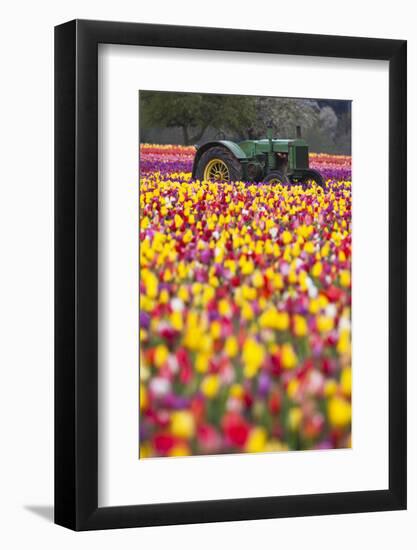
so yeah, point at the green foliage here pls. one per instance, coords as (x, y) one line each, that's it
(196, 112)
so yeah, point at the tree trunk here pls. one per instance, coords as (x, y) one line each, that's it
(185, 135)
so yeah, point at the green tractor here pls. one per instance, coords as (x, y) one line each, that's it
(283, 161)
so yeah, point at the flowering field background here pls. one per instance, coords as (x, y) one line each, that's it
(245, 308)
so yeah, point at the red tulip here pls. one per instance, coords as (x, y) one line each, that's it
(235, 428)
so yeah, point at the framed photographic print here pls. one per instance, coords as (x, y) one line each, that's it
(230, 275)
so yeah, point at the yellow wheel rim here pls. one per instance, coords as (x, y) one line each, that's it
(216, 170)
(275, 181)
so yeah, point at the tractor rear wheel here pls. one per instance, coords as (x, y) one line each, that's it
(312, 176)
(218, 164)
(276, 177)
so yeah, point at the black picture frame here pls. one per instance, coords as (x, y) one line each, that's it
(76, 272)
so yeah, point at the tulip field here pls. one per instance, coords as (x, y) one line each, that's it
(245, 310)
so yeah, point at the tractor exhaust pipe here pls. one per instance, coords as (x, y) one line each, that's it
(269, 136)
(298, 132)
(271, 156)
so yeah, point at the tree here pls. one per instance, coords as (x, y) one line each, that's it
(283, 115)
(328, 121)
(194, 113)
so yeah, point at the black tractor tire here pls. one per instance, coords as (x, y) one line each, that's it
(313, 176)
(233, 165)
(276, 177)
